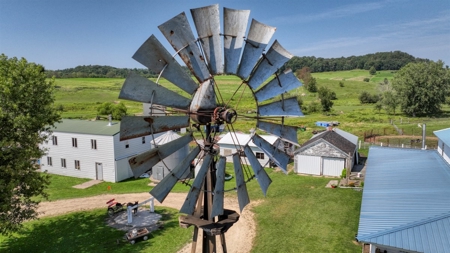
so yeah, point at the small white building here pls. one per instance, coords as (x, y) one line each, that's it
(327, 153)
(230, 142)
(91, 149)
(443, 143)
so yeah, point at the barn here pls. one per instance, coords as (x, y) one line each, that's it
(91, 149)
(327, 153)
(230, 142)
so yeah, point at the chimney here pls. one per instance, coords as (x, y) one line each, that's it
(424, 137)
(109, 120)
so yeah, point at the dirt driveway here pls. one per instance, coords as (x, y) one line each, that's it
(239, 237)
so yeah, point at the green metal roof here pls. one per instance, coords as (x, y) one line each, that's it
(87, 127)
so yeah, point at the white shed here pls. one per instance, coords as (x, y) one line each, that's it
(443, 143)
(327, 153)
(230, 142)
(91, 149)
(163, 168)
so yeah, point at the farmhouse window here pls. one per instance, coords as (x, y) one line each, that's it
(259, 155)
(227, 151)
(74, 142)
(49, 161)
(93, 144)
(77, 164)
(63, 163)
(127, 145)
(55, 140)
(143, 140)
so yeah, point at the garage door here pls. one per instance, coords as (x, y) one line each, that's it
(308, 164)
(333, 166)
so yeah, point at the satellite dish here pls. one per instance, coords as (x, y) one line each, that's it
(205, 57)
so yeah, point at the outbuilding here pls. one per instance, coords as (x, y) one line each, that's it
(443, 143)
(406, 201)
(231, 142)
(327, 153)
(91, 149)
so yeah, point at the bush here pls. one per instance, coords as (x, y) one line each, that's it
(344, 173)
(313, 107)
(366, 98)
(366, 79)
(341, 84)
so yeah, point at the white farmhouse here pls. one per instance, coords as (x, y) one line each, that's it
(91, 149)
(230, 142)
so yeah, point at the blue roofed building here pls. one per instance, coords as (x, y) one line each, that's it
(406, 201)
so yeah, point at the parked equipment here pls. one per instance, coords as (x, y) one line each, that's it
(134, 234)
(114, 207)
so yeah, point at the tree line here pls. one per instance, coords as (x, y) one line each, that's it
(97, 71)
(380, 61)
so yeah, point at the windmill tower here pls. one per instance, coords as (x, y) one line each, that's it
(213, 52)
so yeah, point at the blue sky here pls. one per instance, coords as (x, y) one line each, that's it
(63, 34)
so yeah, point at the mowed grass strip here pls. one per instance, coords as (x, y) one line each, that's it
(87, 232)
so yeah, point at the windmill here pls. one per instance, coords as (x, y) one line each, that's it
(213, 52)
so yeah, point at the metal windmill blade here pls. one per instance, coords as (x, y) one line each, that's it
(179, 33)
(234, 25)
(205, 108)
(207, 23)
(257, 40)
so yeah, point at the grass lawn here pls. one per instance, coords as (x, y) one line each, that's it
(300, 215)
(61, 187)
(87, 232)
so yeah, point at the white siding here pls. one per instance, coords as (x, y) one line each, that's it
(123, 170)
(88, 157)
(223, 147)
(332, 166)
(309, 164)
(135, 146)
(444, 150)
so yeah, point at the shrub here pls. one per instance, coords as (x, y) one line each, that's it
(366, 79)
(341, 84)
(344, 173)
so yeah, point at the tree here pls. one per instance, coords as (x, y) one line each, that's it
(372, 70)
(116, 110)
(27, 115)
(390, 101)
(422, 87)
(305, 75)
(312, 85)
(326, 96)
(366, 98)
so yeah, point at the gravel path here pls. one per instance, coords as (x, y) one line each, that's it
(239, 237)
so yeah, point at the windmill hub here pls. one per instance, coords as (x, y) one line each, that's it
(222, 114)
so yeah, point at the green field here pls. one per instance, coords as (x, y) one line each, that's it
(80, 97)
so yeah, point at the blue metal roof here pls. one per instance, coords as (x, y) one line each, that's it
(443, 135)
(406, 200)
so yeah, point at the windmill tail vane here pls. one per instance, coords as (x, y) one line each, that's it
(211, 52)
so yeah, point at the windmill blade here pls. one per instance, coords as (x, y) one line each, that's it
(286, 107)
(140, 89)
(261, 175)
(138, 126)
(257, 40)
(146, 160)
(277, 86)
(192, 197)
(204, 100)
(241, 187)
(285, 132)
(207, 24)
(162, 189)
(280, 158)
(156, 58)
(179, 34)
(217, 207)
(269, 64)
(234, 26)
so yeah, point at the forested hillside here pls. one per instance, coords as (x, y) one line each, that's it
(96, 71)
(381, 61)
